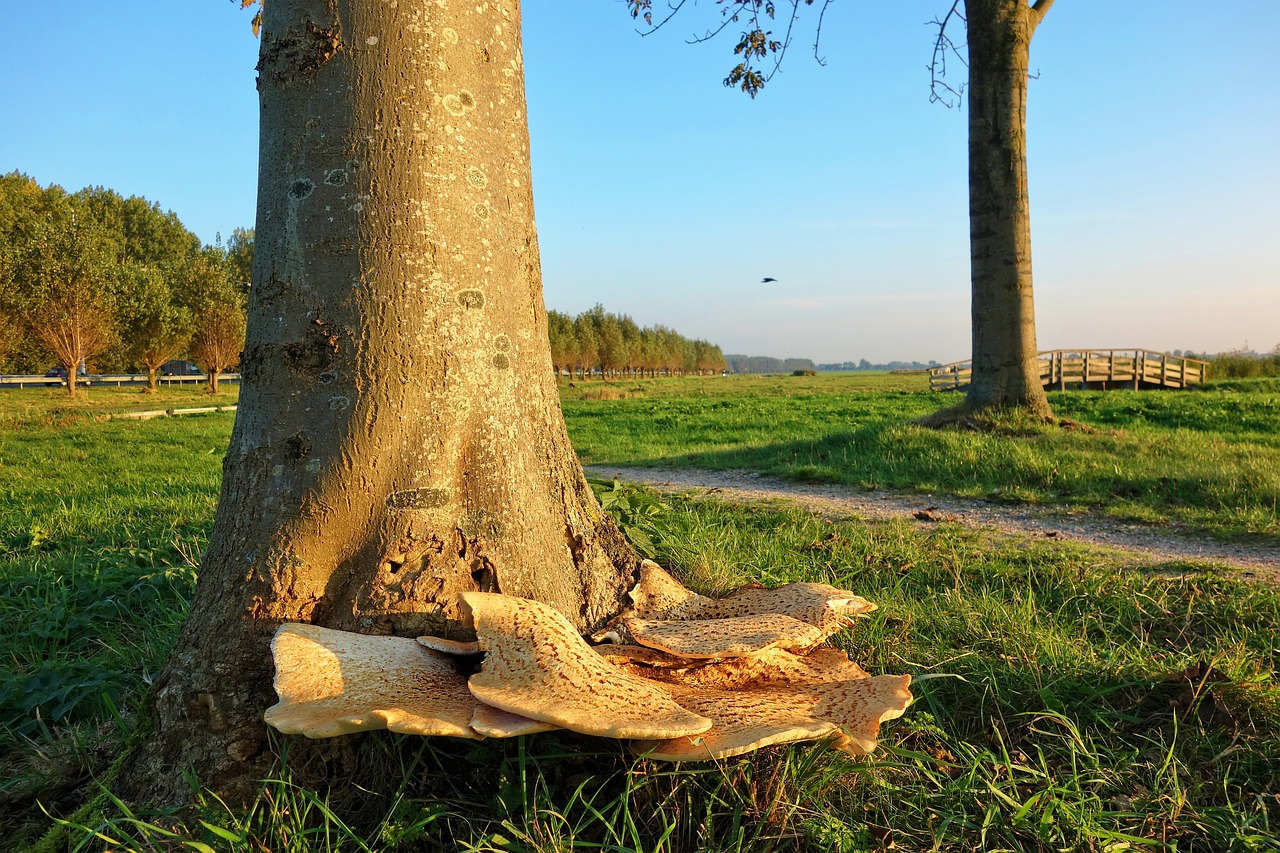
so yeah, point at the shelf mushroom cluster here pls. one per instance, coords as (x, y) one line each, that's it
(682, 676)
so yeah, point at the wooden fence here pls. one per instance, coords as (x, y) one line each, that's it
(1093, 368)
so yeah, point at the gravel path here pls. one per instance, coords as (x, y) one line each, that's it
(1145, 544)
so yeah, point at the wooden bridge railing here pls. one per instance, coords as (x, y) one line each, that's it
(1104, 368)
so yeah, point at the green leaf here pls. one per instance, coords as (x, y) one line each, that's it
(224, 834)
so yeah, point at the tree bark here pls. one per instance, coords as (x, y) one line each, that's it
(398, 437)
(1005, 367)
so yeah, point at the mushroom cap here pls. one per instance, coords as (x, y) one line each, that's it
(850, 712)
(885, 695)
(626, 654)
(734, 636)
(658, 595)
(656, 591)
(335, 682)
(815, 603)
(774, 667)
(744, 720)
(451, 647)
(537, 665)
(488, 721)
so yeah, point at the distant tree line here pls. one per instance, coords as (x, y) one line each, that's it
(884, 365)
(597, 343)
(111, 284)
(767, 364)
(1241, 363)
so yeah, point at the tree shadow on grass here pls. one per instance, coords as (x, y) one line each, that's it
(1012, 467)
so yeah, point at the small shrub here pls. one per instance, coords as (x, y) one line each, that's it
(1244, 364)
(635, 510)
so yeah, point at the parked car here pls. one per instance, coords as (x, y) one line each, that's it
(60, 374)
(180, 368)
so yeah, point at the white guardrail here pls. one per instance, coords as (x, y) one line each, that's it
(114, 379)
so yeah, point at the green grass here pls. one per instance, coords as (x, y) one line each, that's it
(1074, 704)
(101, 527)
(1071, 702)
(54, 407)
(1205, 460)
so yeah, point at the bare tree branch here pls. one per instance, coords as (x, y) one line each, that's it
(786, 39)
(939, 90)
(817, 36)
(730, 17)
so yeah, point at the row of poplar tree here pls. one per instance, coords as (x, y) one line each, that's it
(597, 343)
(110, 284)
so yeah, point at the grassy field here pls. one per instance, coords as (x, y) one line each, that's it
(1208, 461)
(1066, 701)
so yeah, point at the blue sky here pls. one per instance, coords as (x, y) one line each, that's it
(1153, 131)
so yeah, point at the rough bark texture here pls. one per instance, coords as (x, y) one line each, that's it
(398, 438)
(1005, 368)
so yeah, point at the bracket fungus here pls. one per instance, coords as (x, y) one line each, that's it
(709, 678)
(488, 721)
(659, 597)
(462, 648)
(334, 683)
(731, 637)
(775, 667)
(815, 603)
(850, 712)
(656, 592)
(537, 665)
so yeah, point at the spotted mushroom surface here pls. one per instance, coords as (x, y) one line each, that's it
(537, 665)
(861, 706)
(769, 668)
(494, 722)
(335, 682)
(712, 678)
(656, 592)
(658, 596)
(847, 712)
(451, 647)
(734, 636)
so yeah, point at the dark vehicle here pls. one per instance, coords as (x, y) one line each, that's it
(180, 368)
(60, 374)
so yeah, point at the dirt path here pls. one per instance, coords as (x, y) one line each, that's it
(1146, 544)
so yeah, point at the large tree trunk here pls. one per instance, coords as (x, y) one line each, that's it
(399, 437)
(1005, 368)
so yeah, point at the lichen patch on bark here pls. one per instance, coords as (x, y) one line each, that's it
(410, 499)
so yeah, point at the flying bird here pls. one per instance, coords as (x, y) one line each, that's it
(766, 280)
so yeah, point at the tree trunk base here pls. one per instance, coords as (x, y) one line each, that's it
(992, 419)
